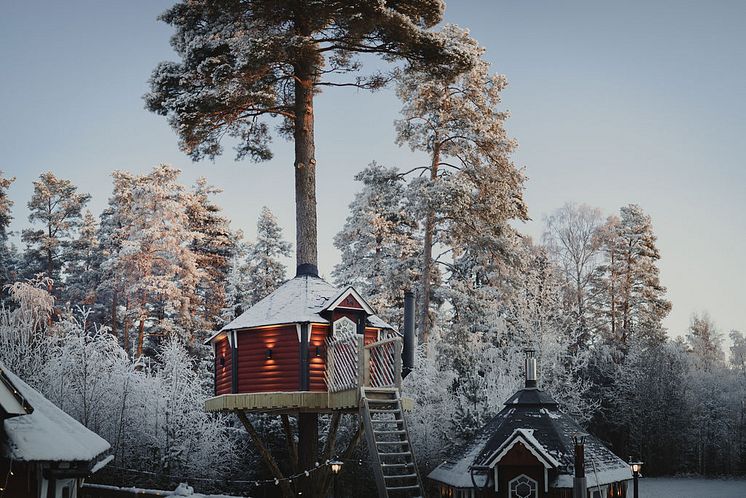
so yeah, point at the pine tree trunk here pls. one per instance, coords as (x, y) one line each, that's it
(140, 336)
(305, 166)
(427, 256)
(114, 314)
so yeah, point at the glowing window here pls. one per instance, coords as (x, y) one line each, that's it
(523, 487)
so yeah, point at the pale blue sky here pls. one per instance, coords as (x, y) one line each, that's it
(612, 103)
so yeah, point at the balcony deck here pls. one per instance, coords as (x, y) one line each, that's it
(292, 402)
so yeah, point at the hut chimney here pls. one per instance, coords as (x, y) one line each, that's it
(530, 368)
(408, 350)
(580, 485)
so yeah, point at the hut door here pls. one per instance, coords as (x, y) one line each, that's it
(523, 487)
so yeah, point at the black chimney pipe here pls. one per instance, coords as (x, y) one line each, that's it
(580, 485)
(407, 354)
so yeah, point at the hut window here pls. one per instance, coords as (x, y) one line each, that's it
(344, 328)
(523, 487)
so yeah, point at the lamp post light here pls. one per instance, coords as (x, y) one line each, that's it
(635, 466)
(336, 467)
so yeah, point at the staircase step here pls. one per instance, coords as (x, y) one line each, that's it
(387, 421)
(382, 410)
(394, 443)
(396, 454)
(389, 432)
(403, 488)
(397, 465)
(402, 476)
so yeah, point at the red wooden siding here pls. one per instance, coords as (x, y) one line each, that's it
(371, 335)
(350, 302)
(223, 373)
(258, 374)
(317, 364)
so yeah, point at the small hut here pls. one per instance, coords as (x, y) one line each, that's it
(529, 450)
(44, 452)
(310, 348)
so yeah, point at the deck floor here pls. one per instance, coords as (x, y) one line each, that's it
(292, 402)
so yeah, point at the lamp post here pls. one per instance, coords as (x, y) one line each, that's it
(336, 467)
(635, 466)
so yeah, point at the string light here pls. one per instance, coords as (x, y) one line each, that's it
(258, 482)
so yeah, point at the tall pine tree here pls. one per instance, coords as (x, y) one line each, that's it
(7, 259)
(56, 207)
(471, 187)
(263, 259)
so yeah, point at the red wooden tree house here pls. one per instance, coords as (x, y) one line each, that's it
(311, 348)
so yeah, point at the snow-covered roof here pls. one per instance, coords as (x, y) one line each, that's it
(534, 416)
(47, 434)
(300, 299)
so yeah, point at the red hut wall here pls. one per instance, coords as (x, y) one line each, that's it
(256, 373)
(317, 364)
(224, 368)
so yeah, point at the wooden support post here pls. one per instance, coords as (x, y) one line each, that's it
(308, 439)
(397, 364)
(292, 448)
(266, 455)
(363, 362)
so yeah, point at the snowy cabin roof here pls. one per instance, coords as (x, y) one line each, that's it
(533, 415)
(46, 433)
(300, 299)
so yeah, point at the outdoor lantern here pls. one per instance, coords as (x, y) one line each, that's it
(336, 466)
(318, 351)
(222, 361)
(635, 466)
(268, 354)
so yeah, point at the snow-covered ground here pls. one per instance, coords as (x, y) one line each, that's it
(684, 487)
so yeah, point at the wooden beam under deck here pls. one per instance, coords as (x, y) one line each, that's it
(292, 402)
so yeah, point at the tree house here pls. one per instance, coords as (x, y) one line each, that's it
(311, 348)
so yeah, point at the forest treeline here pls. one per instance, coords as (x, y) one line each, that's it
(106, 315)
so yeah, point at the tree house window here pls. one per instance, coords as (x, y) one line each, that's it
(523, 487)
(344, 327)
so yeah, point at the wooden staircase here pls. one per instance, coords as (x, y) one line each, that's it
(386, 433)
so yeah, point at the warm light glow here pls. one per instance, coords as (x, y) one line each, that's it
(336, 466)
(635, 466)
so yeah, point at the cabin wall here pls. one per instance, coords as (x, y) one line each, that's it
(224, 368)
(317, 364)
(256, 373)
(24, 481)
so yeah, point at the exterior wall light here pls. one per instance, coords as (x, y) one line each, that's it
(268, 354)
(318, 351)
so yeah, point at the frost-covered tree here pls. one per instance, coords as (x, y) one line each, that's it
(263, 259)
(571, 236)
(214, 245)
(23, 327)
(7, 256)
(379, 242)
(629, 298)
(243, 62)
(705, 342)
(56, 207)
(83, 264)
(154, 268)
(470, 187)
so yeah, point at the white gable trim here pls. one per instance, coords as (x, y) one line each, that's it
(527, 439)
(356, 295)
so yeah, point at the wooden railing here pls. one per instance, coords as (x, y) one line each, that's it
(351, 364)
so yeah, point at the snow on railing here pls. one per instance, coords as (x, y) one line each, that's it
(379, 365)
